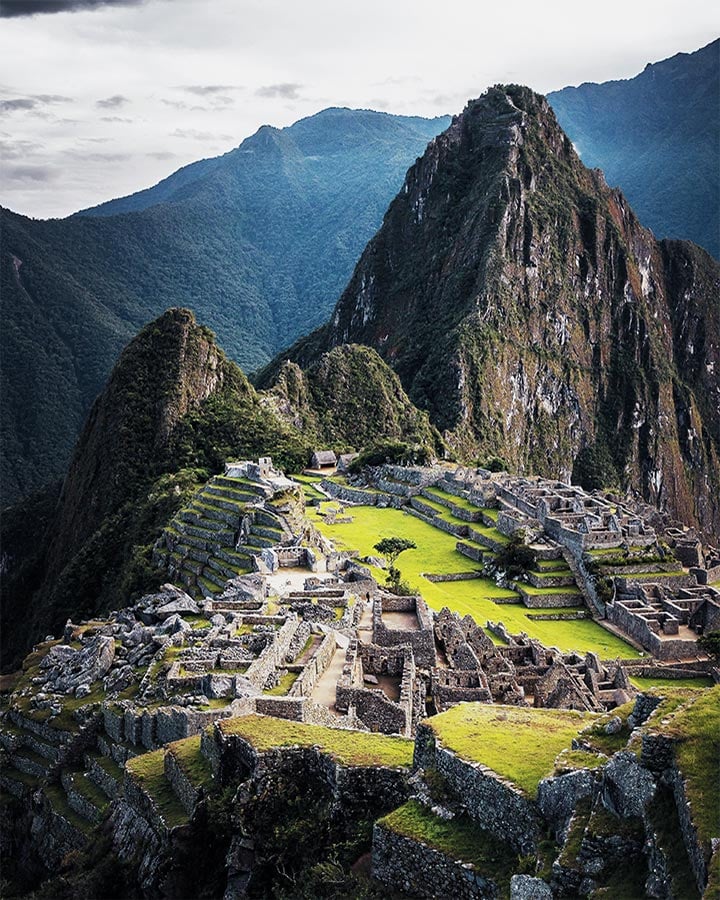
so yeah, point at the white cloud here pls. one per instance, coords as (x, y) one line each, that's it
(217, 71)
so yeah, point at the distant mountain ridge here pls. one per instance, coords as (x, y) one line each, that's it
(528, 311)
(657, 137)
(258, 242)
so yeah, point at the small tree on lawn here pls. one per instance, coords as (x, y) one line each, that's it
(391, 548)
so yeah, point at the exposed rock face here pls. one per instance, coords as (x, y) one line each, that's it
(67, 670)
(527, 310)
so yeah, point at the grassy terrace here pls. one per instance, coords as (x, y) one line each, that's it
(351, 748)
(460, 502)
(519, 744)
(149, 770)
(60, 805)
(193, 764)
(695, 724)
(436, 554)
(646, 684)
(284, 684)
(459, 838)
(570, 589)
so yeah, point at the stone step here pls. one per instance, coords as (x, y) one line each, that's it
(258, 541)
(211, 538)
(235, 557)
(197, 554)
(29, 762)
(104, 772)
(276, 535)
(223, 568)
(147, 776)
(193, 515)
(188, 771)
(214, 577)
(193, 565)
(83, 795)
(208, 587)
(81, 827)
(185, 540)
(211, 512)
(228, 498)
(240, 484)
(17, 783)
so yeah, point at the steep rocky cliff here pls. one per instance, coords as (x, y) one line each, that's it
(526, 309)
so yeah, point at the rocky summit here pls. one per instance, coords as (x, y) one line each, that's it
(525, 308)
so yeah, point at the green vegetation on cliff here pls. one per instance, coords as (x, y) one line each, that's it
(258, 243)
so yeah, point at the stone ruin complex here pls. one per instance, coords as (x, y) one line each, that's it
(248, 634)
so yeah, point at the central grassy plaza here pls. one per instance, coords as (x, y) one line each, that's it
(479, 597)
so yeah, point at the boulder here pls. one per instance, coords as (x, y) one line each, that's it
(119, 679)
(183, 606)
(614, 726)
(526, 887)
(174, 624)
(627, 787)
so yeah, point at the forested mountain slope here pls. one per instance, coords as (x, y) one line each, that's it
(657, 137)
(259, 243)
(526, 309)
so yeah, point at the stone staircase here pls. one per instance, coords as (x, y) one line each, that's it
(215, 537)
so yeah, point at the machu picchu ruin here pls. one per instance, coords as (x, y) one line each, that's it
(278, 653)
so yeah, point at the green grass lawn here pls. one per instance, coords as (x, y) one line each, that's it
(353, 748)
(284, 684)
(519, 744)
(149, 770)
(644, 684)
(436, 554)
(192, 762)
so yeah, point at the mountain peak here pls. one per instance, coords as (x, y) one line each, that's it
(527, 310)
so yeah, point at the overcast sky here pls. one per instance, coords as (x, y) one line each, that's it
(100, 98)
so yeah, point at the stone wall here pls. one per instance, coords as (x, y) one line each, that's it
(273, 657)
(468, 550)
(434, 520)
(412, 867)
(347, 494)
(486, 797)
(314, 668)
(546, 601)
(422, 641)
(637, 628)
(352, 785)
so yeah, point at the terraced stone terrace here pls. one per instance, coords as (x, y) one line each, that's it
(229, 521)
(518, 744)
